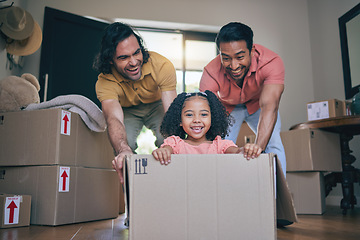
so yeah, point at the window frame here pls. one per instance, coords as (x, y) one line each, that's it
(187, 35)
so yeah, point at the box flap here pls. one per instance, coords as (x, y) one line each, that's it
(285, 208)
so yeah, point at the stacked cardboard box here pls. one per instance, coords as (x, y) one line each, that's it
(14, 210)
(309, 154)
(326, 109)
(65, 167)
(210, 196)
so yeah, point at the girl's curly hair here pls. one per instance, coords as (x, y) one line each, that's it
(220, 118)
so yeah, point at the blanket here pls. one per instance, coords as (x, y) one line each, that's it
(89, 112)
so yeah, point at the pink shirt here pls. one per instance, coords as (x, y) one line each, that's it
(266, 68)
(179, 146)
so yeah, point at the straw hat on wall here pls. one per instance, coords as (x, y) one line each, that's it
(16, 23)
(26, 46)
(23, 34)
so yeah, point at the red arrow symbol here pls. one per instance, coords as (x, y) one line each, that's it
(12, 207)
(66, 119)
(64, 176)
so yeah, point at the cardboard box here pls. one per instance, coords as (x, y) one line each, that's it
(326, 109)
(14, 210)
(312, 150)
(308, 191)
(246, 135)
(63, 195)
(51, 136)
(218, 196)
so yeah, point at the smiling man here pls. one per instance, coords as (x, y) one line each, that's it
(135, 88)
(249, 80)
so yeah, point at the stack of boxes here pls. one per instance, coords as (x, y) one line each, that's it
(66, 168)
(310, 154)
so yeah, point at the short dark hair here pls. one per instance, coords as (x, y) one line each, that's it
(113, 34)
(235, 31)
(220, 118)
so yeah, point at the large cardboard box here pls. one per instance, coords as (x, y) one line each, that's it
(14, 210)
(326, 109)
(312, 150)
(308, 191)
(218, 196)
(63, 194)
(51, 136)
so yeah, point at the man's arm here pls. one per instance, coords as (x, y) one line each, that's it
(167, 98)
(114, 117)
(269, 105)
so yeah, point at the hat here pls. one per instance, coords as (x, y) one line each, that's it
(16, 23)
(27, 46)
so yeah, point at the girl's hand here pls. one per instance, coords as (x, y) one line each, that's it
(252, 150)
(163, 154)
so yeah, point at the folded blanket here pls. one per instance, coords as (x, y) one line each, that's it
(89, 112)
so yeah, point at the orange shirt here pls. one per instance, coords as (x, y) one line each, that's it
(266, 68)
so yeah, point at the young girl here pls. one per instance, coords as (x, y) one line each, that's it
(195, 123)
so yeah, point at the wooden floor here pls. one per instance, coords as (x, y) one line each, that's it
(332, 225)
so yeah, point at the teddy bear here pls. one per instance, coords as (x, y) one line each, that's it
(16, 93)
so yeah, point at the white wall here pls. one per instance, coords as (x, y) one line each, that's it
(327, 63)
(303, 32)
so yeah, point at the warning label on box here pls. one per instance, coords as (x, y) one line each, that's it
(64, 179)
(65, 122)
(12, 209)
(318, 110)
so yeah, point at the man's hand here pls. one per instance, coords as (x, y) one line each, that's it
(251, 151)
(117, 164)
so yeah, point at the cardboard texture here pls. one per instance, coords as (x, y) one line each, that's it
(83, 194)
(326, 109)
(39, 138)
(204, 197)
(312, 150)
(14, 210)
(308, 191)
(246, 135)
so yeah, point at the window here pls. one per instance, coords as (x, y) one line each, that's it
(189, 52)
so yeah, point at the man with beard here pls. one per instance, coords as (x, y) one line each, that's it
(135, 88)
(249, 80)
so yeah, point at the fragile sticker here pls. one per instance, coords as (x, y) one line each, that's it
(12, 209)
(65, 122)
(140, 165)
(64, 179)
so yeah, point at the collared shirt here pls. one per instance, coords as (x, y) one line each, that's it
(157, 75)
(266, 68)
